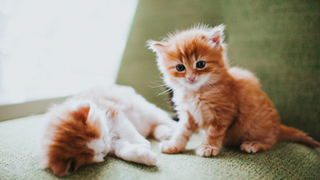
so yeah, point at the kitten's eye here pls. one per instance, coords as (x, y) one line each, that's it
(180, 67)
(201, 64)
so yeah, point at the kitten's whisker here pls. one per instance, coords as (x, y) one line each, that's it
(164, 92)
(157, 85)
(159, 81)
(159, 76)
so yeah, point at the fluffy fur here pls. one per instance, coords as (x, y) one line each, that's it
(226, 102)
(94, 123)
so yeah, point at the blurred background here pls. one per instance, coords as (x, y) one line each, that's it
(51, 49)
(56, 48)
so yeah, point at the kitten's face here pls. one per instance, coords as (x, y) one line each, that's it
(79, 138)
(191, 59)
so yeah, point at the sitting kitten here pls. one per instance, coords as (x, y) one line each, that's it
(226, 102)
(90, 125)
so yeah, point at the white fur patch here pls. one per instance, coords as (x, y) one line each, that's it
(97, 145)
(200, 81)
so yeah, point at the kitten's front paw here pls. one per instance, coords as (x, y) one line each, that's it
(206, 151)
(171, 147)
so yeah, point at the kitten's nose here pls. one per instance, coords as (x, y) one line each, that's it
(191, 77)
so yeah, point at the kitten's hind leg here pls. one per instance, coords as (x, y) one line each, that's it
(156, 118)
(257, 146)
(134, 152)
(162, 132)
(126, 130)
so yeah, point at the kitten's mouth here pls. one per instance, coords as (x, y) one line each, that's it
(192, 82)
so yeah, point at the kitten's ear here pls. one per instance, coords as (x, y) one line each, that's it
(157, 47)
(215, 37)
(82, 112)
(60, 168)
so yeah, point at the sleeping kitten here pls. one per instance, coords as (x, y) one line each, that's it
(226, 102)
(90, 125)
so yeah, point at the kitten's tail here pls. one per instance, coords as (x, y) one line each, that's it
(292, 134)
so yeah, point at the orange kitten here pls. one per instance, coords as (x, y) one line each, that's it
(226, 102)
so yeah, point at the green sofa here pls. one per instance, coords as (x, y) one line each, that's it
(277, 40)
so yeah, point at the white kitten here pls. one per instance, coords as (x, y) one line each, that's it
(94, 123)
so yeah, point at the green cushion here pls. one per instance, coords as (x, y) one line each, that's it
(19, 160)
(277, 40)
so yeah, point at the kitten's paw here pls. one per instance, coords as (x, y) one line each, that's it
(147, 157)
(253, 146)
(145, 144)
(163, 132)
(206, 151)
(98, 158)
(171, 147)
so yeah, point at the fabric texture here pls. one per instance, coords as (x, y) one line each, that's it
(19, 160)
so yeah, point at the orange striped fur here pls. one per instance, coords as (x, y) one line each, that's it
(69, 141)
(226, 102)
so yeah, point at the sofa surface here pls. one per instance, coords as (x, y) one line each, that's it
(19, 160)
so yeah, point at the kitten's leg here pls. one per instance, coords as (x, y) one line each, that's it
(258, 146)
(212, 140)
(159, 123)
(126, 130)
(162, 132)
(185, 129)
(164, 125)
(133, 152)
(262, 138)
